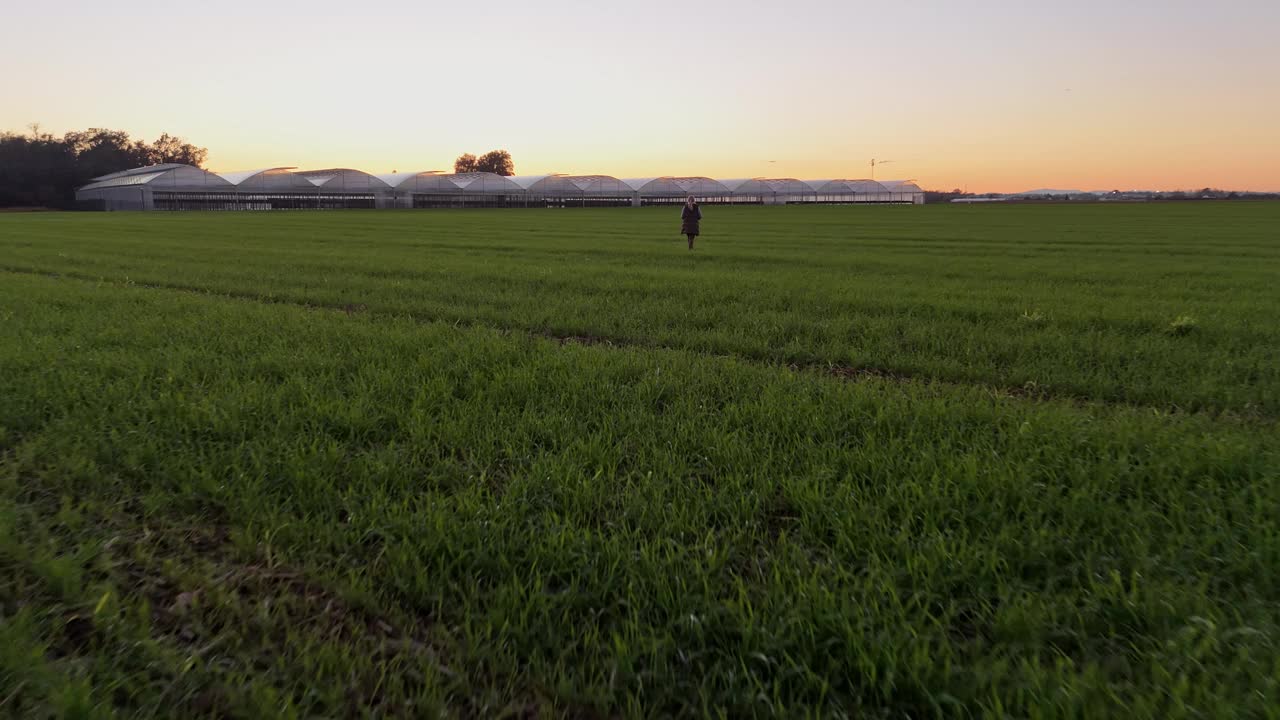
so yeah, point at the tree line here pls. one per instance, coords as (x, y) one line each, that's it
(39, 169)
(497, 162)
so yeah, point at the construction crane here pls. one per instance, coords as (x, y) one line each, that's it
(874, 163)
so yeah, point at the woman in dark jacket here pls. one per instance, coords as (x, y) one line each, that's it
(690, 215)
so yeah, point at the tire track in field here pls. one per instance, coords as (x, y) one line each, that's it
(848, 373)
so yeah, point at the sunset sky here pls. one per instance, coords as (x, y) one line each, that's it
(983, 95)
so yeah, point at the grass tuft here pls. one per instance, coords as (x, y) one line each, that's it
(1182, 325)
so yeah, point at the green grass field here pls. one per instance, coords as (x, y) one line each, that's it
(927, 461)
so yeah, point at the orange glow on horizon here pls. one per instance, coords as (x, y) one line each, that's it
(997, 97)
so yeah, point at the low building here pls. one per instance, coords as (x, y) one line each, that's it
(182, 187)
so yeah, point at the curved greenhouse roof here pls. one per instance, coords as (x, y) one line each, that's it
(344, 180)
(545, 184)
(274, 178)
(579, 185)
(432, 181)
(599, 184)
(145, 170)
(395, 179)
(637, 183)
(901, 186)
(528, 181)
(677, 186)
(170, 176)
(846, 187)
(769, 186)
(485, 183)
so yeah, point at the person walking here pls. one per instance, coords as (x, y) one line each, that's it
(690, 217)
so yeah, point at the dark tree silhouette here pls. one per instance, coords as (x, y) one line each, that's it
(42, 170)
(497, 162)
(35, 170)
(466, 163)
(99, 151)
(170, 149)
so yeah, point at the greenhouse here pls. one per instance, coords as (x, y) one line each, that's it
(158, 187)
(182, 187)
(578, 191)
(771, 191)
(281, 188)
(674, 190)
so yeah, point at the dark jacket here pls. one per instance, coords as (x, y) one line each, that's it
(689, 217)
